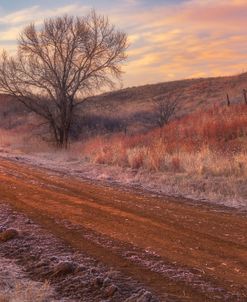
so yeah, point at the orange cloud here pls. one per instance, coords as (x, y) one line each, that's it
(168, 42)
(199, 38)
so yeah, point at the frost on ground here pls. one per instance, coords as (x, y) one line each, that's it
(220, 190)
(73, 275)
(15, 286)
(91, 232)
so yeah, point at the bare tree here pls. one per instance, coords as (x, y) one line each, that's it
(60, 64)
(165, 107)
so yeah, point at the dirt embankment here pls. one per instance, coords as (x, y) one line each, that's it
(175, 249)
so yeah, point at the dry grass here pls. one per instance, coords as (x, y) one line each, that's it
(20, 139)
(16, 287)
(211, 143)
(20, 292)
(201, 156)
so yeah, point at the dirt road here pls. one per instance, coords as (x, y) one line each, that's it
(174, 247)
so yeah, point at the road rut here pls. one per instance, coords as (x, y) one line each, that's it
(194, 252)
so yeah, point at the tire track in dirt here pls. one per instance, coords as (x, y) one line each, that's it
(207, 247)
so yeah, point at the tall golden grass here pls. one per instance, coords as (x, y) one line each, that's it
(212, 142)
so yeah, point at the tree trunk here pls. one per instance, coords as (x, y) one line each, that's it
(65, 118)
(228, 100)
(245, 97)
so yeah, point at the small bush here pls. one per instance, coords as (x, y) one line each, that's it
(176, 163)
(136, 157)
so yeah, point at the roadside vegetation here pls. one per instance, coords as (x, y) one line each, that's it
(202, 155)
(211, 142)
(28, 293)
(16, 287)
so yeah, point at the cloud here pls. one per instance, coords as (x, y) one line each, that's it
(37, 14)
(195, 38)
(182, 39)
(13, 23)
(10, 34)
(21, 16)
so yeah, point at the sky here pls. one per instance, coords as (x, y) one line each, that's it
(169, 39)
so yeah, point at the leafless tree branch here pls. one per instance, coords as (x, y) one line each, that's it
(59, 65)
(165, 107)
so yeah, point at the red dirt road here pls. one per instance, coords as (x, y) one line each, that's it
(192, 252)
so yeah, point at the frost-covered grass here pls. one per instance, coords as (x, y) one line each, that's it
(25, 293)
(228, 191)
(15, 287)
(22, 140)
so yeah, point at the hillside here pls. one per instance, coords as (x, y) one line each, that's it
(132, 108)
(105, 193)
(133, 104)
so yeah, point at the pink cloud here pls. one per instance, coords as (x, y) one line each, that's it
(197, 38)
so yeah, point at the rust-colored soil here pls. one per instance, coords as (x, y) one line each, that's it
(193, 252)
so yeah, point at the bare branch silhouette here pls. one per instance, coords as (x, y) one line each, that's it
(165, 107)
(61, 64)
